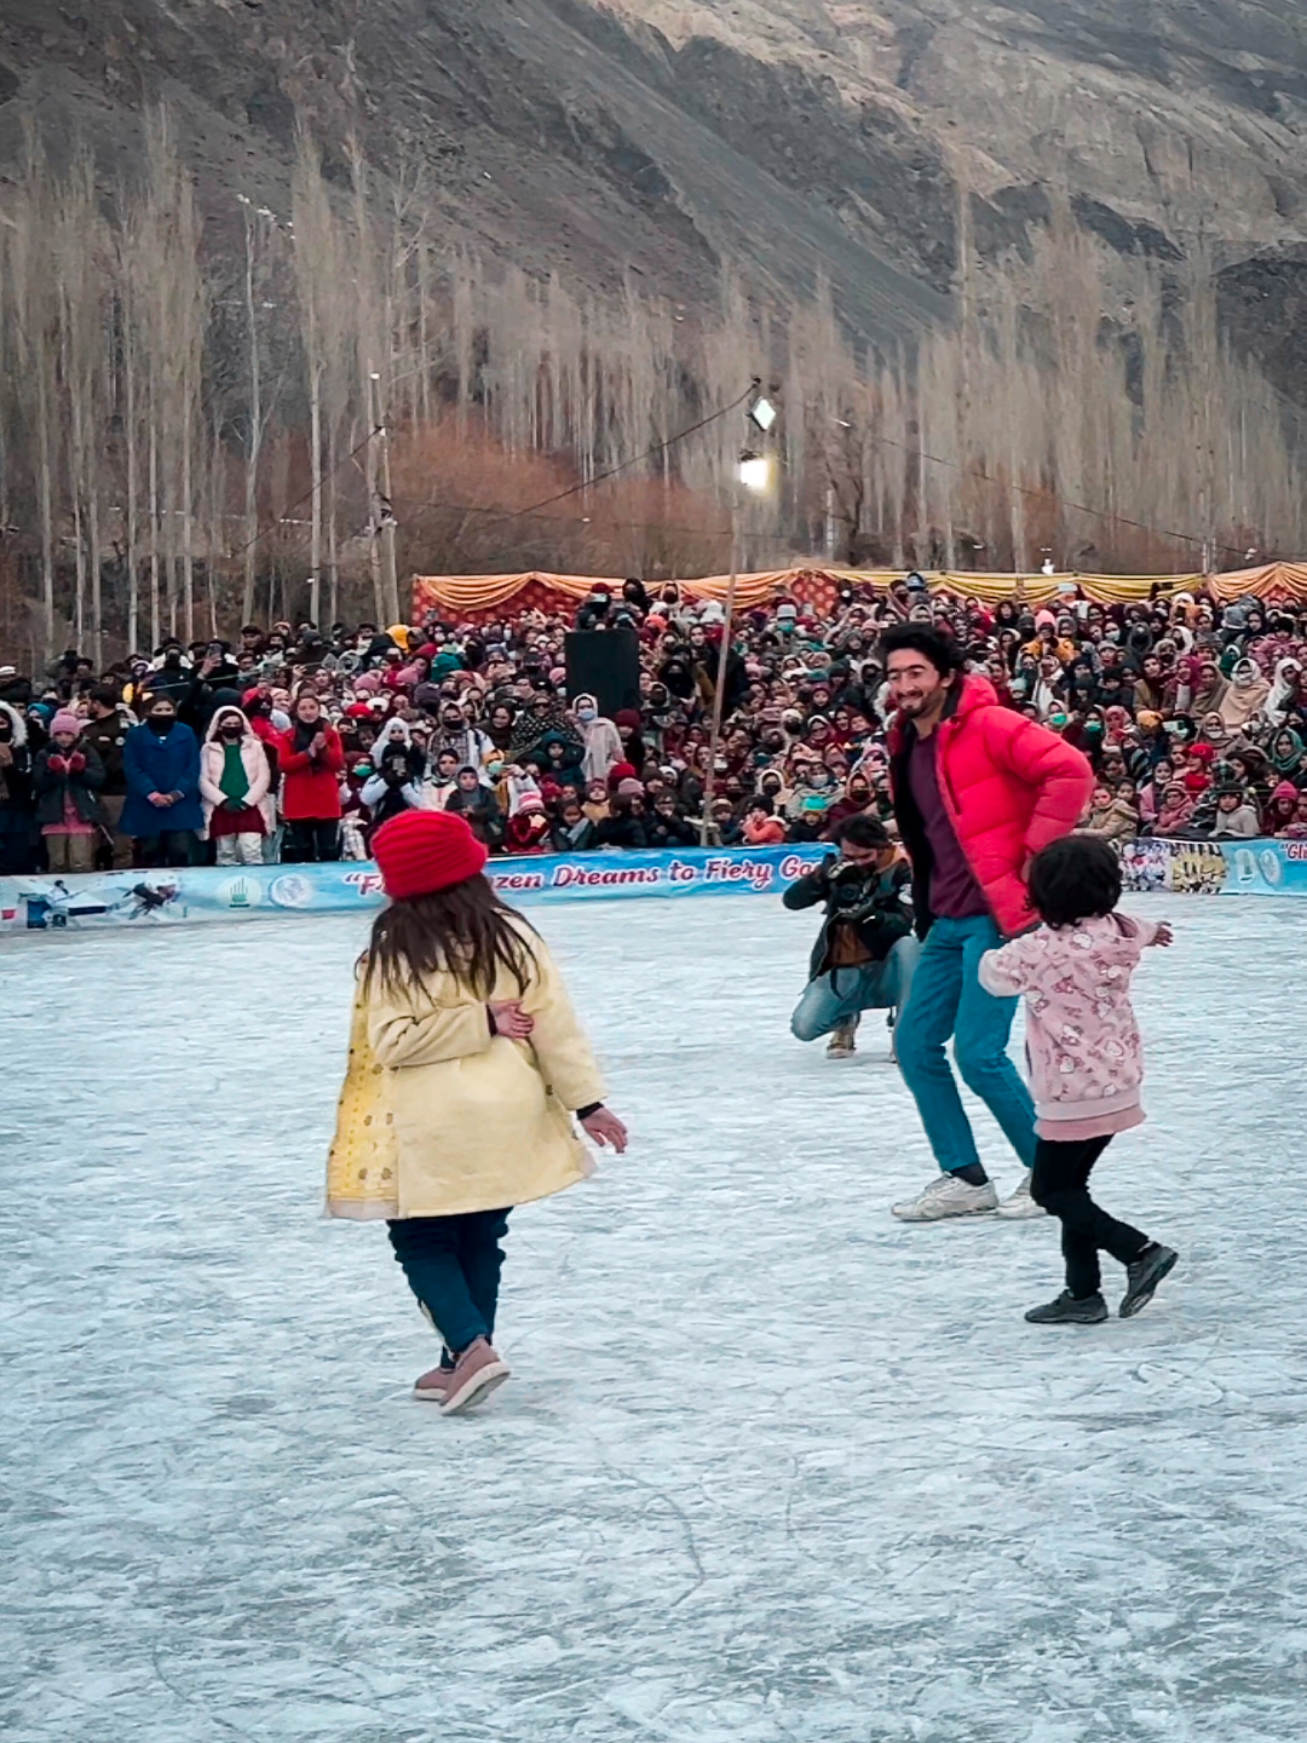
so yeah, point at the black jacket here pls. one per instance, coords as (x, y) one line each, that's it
(668, 832)
(877, 903)
(50, 786)
(620, 831)
(107, 736)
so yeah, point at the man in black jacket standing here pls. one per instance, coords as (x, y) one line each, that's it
(866, 952)
(106, 729)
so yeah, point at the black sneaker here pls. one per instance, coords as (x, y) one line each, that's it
(1143, 1277)
(1070, 1309)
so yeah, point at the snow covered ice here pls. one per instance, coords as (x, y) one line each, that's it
(772, 1469)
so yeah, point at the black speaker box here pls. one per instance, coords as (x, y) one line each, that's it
(606, 664)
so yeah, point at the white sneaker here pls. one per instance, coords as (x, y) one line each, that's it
(947, 1196)
(1021, 1204)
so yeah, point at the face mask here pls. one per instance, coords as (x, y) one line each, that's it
(172, 661)
(232, 729)
(495, 769)
(585, 714)
(161, 724)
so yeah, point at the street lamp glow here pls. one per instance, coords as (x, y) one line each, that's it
(754, 472)
(763, 413)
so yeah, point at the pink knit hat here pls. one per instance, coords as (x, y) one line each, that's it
(65, 721)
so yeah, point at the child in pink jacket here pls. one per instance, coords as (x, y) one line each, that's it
(1086, 1063)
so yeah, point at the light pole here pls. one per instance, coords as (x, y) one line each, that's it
(755, 473)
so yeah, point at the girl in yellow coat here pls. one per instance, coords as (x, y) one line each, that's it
(467, 1064)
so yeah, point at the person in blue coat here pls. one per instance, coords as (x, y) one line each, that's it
(161, 762)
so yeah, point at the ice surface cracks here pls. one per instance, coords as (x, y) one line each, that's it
(772, 1470)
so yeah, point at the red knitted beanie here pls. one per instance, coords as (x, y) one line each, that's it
(420, 852)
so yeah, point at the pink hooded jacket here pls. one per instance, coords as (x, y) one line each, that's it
(1086, 1058)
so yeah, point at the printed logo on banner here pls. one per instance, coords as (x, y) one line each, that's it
(240, 893)
(295, 890)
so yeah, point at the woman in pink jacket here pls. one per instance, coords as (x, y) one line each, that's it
(1086, 1063)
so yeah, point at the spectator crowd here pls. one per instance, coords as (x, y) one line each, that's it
(295, 744)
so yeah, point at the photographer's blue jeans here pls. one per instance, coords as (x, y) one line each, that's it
(841, 993)
(948, 999)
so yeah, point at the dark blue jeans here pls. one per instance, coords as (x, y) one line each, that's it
(453, 1264)
(946, 1000)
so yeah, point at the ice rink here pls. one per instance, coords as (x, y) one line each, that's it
(773, 1468)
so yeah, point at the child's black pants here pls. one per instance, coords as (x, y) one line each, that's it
(1061, 1184)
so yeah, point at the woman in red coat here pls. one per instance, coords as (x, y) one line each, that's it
(312, 760)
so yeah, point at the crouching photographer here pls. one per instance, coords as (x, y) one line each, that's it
(865, 954)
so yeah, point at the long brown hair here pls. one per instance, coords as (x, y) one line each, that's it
(465, 931)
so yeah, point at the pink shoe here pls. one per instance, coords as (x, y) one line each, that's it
(434, 1384)
(476, 1374)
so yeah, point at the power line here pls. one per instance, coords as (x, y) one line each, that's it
(532, 510)
(1052, 496)
(307, 496)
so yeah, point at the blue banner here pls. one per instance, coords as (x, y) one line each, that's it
(148, 898)
(1216, 868)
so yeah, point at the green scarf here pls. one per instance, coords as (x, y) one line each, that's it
(1287, 765)
(235, 783)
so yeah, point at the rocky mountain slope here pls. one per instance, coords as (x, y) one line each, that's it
(875, 142)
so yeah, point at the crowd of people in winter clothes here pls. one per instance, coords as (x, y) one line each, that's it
(296, 745)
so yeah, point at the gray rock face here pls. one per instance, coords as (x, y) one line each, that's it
(777, 135)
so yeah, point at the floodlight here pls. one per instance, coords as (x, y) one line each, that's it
(763, 413)
(754, 471)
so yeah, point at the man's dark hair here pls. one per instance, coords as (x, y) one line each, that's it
(1077, 878)
(921, 638)
(763, 802)
(106, 695)
(862, 831)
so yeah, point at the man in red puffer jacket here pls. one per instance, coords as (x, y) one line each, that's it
(978, 790)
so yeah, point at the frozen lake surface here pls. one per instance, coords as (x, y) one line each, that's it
(772, 1469)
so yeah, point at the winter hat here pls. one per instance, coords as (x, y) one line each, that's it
(628, 718)
(421, 852)
(630, 789)
(65, 722)
(622, 772)
(531, 802)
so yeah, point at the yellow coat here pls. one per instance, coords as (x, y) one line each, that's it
(437, 1118)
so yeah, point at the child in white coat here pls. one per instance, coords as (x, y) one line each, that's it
(1086, 1063)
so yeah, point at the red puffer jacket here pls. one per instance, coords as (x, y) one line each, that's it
(1009, 785)
(312, 784)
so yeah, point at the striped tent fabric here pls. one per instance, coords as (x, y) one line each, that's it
(481, 598)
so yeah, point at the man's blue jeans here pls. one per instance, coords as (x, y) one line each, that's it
(841, 993)
(948, 999)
